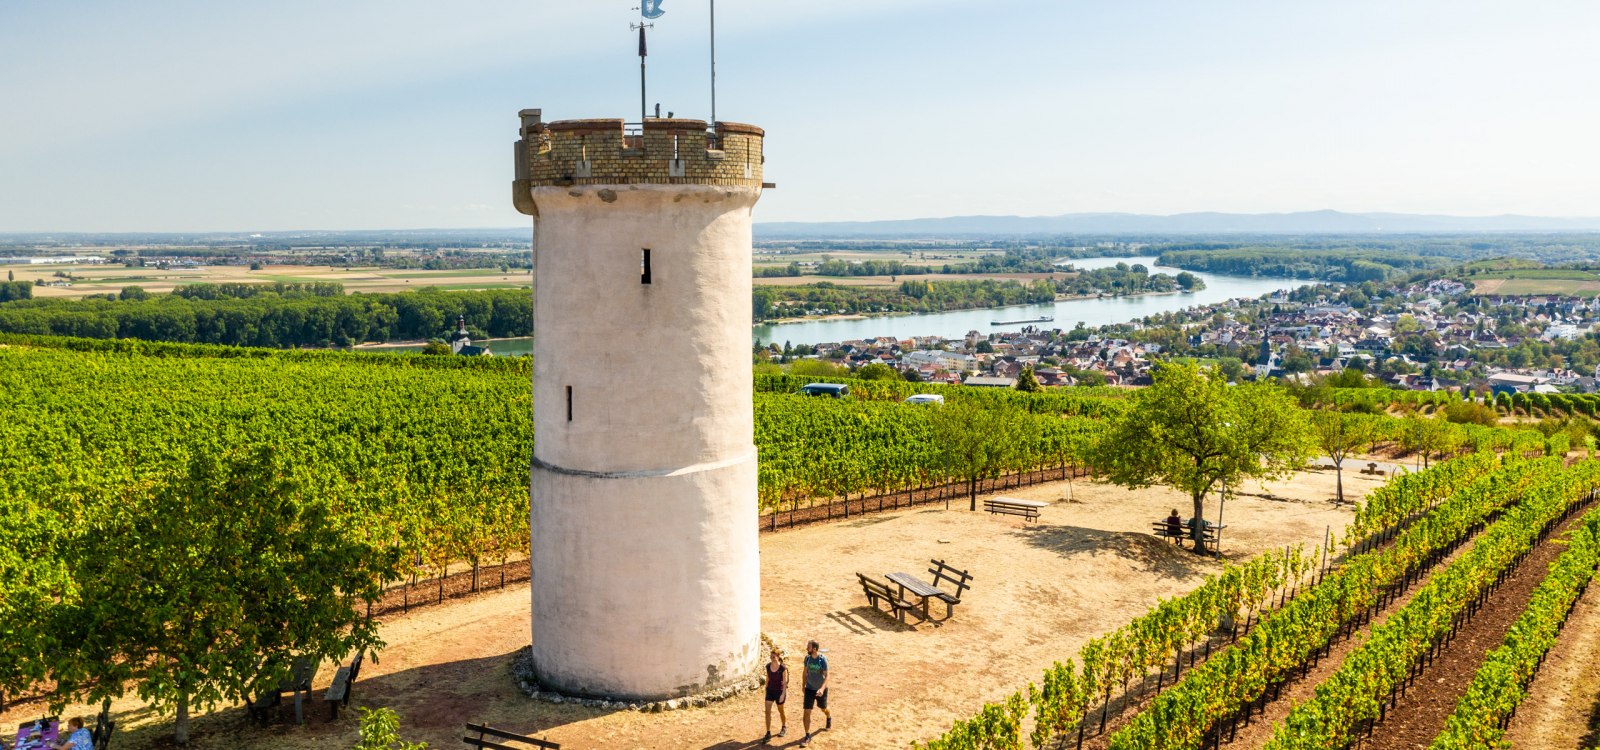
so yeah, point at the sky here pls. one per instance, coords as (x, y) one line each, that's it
(198, 115)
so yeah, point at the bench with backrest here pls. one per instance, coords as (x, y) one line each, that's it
(1182, 533)
(103, 727)
(1027, 509)
(338, 695)
(878, 593)
(500, 734)
(960, 580)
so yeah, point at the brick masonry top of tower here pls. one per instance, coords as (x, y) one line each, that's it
(662, 152)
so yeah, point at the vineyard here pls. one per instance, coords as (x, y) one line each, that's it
(1425, 553)
(330, 476)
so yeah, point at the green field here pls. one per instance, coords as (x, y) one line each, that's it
(1568, 282)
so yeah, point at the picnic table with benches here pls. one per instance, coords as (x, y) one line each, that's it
(500, 734)
(1028, 509)
(914, 595)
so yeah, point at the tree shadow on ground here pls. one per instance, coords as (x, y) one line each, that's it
(1156, 556)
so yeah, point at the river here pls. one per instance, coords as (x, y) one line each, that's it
(1067, 313)
(955, 324)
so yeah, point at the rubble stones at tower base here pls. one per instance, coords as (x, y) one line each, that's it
(522, 670)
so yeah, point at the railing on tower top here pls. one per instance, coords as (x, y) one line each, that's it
(633, 136)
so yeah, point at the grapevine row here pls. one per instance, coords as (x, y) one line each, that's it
(1151, 641)
(1501, 683)
(1287, 639)
(1411, 493)
(1371, 675)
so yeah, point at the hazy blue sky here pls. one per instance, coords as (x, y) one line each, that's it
(204, 115)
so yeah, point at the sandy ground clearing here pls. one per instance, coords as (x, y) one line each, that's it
(1040, 591)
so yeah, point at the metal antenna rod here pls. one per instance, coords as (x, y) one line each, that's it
(644, 109)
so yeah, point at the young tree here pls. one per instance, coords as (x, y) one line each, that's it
(1027, 382)
(1340, 435)
(1193, 432)
(974, 442)
(202, 587)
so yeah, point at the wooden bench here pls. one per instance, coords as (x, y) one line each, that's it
(103, 728)
(960, 580)
(877, 592)
(499, 734)
(1372, 469)
(1027, 509)
(1165, 530)
(338, 695)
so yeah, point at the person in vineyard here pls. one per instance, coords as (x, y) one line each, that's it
(777, 693)
(816, 689)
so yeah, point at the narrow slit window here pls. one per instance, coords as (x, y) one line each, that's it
(644, 266)
(569, 403)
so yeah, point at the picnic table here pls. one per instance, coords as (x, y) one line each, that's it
(915, 591)
(30, 736)
(1028, 509)
(299, 683)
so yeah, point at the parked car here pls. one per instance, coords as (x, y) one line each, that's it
(924, 398)
(831, 390)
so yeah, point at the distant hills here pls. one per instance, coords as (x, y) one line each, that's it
(1301, 222)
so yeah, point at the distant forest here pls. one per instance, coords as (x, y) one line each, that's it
(272, 315)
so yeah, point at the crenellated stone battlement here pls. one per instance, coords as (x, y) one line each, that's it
(662, 152)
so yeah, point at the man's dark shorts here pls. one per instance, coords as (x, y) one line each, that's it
(812, 699)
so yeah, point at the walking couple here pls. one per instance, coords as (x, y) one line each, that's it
(816, 691)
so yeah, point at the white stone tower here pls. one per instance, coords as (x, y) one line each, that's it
(645, 572)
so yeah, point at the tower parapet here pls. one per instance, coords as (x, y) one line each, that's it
(662, 152)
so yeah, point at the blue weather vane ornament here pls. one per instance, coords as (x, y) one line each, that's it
(651, 9)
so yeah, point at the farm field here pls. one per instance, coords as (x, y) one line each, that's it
(893, 281)
(103, 279)
(1040, 591)
(1537, 282)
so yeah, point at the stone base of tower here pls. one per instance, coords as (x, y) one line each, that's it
(646, 585)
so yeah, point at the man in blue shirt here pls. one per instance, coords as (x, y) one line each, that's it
(816, 689)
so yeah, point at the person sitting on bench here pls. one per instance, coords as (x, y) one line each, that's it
(1175, 524)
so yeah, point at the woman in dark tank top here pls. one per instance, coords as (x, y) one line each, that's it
(777, 693)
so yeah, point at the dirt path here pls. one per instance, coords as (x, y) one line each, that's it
(1040, 591)
(1562, 710)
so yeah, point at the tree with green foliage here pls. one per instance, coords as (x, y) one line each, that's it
(1340, 435)
(436, 348)
(1193, 432)
(1027, 382)
(876, 371)
(204, 586)
(974, 442)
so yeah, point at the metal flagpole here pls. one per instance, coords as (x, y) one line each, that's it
(714, 63)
